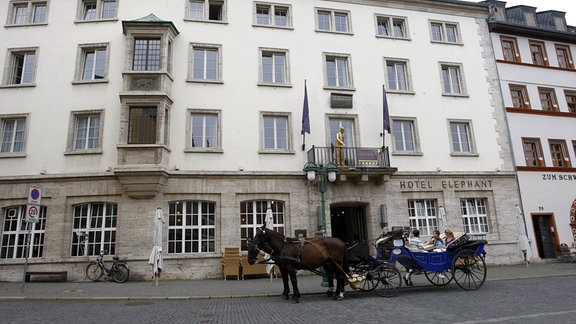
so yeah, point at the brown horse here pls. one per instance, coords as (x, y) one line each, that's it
(293, 254)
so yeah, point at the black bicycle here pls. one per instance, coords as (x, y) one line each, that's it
(96, 269)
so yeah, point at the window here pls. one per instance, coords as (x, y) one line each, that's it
(337, 71)
(422, 215)
(519, 96)
(403, 135)
(533, 152)
(94, 229)
(559, 153)
(452, 81)
(570, 100)
(564, 56)
(21, 69)
(392, 27)
(15, 234)
(28, 12)
(474, 215)
(275, 132)
(274, 66)
(85, 135)
(538, 51)
(276, 15)
(206, 10)
(205, 65)
(204, 130)
(253, 216)
(93, 63)
(332, 21)
(510, 49)
(548, 99)
(142, 125)
(444, 32)
(90, 10)
(397, 75)
(13, 131)
(146, 54)
(191, 227)
(461, 137)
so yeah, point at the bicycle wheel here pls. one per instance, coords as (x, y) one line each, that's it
(94, 271)
(122, 273)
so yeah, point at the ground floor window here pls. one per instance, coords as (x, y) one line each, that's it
(191, 227)
(474, 215)
(253, 214)
(15, 234)
(422, 215)
(94, 229)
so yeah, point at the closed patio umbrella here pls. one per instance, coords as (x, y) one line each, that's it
(523, 242)
(156, 256)
(269, 224)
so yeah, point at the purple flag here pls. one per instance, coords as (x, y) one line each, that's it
(305, 113)
(386, 112)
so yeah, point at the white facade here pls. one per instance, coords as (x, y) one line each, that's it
(544, 119)
(131, 179)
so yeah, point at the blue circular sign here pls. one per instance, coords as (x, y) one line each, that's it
(35, 194)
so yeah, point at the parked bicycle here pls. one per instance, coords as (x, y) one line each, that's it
(96, 269)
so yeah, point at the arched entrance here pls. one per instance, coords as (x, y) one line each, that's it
(349, 222)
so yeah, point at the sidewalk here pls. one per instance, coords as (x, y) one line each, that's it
(197, 289)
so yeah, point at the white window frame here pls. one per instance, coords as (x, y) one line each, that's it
(407, 75)
(12, 59)
(474, 213)
(348, 73)
(15, 232)
(189, 215)
(192, 59)
(73, 132)
(189, 131)
(456, 144)
(400, 134)
(263, 139)
(273, 22)
(332, 21)
(19, 118)
(30, 17)
(444, 35)
(83, 50)
(100, 13)
(206, 11)
(391, 20)
(423, 215)
(274, 52)
(101, 237)
(461, 84)
(253, 215)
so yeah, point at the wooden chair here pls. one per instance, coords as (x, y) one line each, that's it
(565, 254)
(231, 262)
(253, 269)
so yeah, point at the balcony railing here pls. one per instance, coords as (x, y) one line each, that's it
(354, 157)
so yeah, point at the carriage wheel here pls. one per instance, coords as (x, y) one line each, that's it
(368, 284)
(469, 270)
(387, 280)
(439, 278)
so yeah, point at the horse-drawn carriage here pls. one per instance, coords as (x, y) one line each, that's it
(462, 261)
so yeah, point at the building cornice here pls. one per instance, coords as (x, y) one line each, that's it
(528, 31)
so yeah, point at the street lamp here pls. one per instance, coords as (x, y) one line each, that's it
(323, 172)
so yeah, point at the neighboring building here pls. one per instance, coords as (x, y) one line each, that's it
(116, 108)
(538, 80)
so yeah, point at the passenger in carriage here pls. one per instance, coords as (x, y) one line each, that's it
(449, 237)
(415, 243)
(435, 242)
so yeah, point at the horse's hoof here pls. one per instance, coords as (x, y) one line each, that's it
(285, 297)
(329, 293)
(339, 298)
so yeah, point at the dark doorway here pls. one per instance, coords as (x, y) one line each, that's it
(349, 223)
(544, 232)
